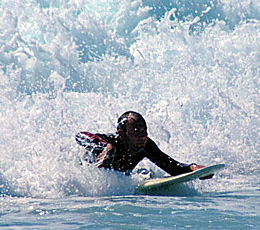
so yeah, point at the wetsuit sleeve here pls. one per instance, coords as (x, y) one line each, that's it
(165, 162)
(86, 138)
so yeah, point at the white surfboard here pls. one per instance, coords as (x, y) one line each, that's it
(159, 183)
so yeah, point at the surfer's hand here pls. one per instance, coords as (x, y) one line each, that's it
(194, 167)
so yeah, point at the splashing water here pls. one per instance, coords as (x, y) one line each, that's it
(190, 67)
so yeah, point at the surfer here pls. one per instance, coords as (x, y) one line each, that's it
(125, 149)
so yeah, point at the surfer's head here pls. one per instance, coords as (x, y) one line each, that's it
(131, 126)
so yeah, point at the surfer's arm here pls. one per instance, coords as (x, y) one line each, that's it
(167, 163)
(99, 145)
(105, 158)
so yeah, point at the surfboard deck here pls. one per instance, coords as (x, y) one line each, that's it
(159, 183)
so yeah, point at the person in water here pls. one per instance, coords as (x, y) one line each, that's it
(125, 149)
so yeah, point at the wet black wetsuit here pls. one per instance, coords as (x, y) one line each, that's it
(121, 159)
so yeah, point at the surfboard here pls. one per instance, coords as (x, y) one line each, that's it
(162, 183)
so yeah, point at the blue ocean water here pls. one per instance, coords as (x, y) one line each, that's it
(191, 68)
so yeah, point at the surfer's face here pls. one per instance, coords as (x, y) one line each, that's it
(136, 133)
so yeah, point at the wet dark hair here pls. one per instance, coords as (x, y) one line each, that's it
(123, 119)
